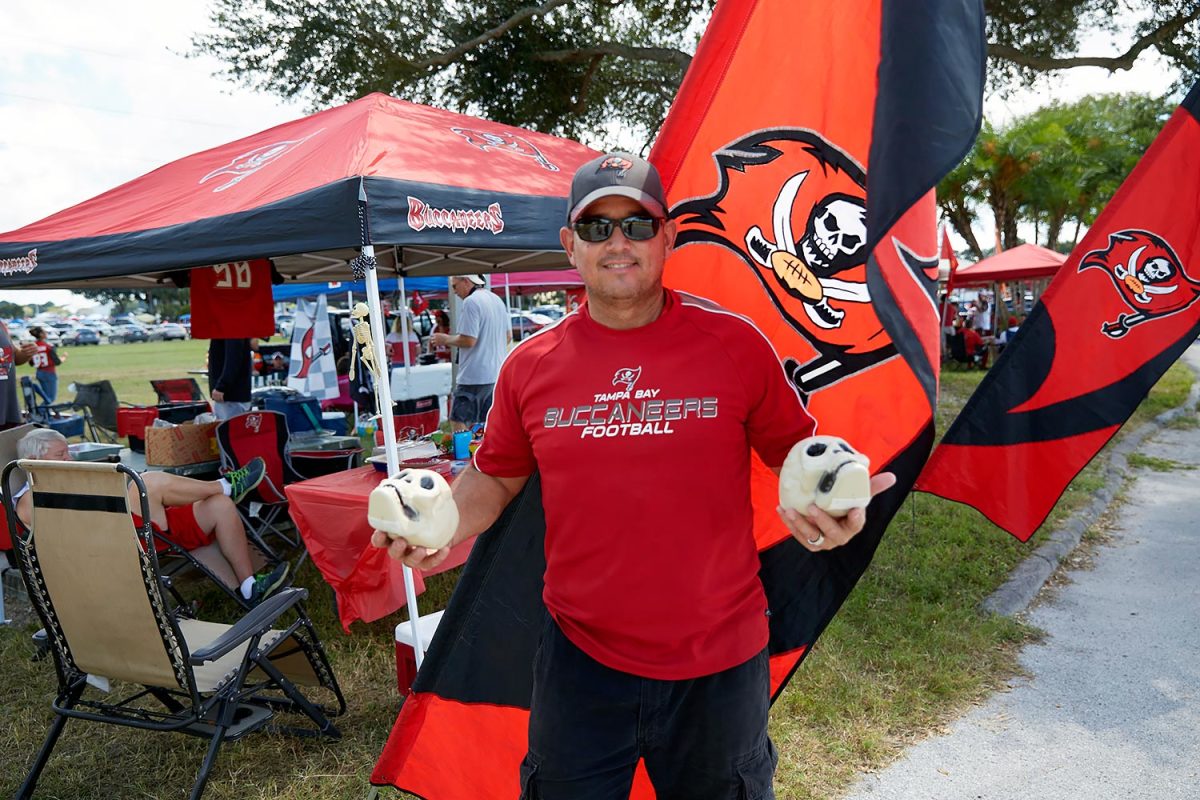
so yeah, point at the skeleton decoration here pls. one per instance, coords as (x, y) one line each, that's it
(834, 240)
(416, 506)
(362, 342)
(827, 471)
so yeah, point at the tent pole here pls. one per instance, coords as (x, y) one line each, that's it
(353, 395)
(383, 391)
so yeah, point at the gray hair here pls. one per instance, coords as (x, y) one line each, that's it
(37, 443)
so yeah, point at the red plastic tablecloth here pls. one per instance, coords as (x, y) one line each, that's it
(331, 514)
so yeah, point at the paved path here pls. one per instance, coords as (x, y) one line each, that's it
(1112, 705)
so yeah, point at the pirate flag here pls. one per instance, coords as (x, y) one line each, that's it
(799, 160)
(1118, 314)
(312, 370)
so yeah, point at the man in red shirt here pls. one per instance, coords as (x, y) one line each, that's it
(640, 412)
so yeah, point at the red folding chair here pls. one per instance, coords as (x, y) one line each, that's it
(265, 434)
(177, 390)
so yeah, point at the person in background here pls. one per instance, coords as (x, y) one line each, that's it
(46, 361)
(185, 511)
(441, 325)
(229, 370)
(10, 356)
(1007, 334)
(398, 336)
(482, 341)
(977, 351)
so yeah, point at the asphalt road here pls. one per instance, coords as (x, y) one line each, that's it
(1111, 707)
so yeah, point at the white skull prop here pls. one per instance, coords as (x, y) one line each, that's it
(417, 506)
(835, 236)
(827, 471)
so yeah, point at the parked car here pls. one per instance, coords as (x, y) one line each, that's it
(128, 333)
(525, 324)
(553, 312)
(167, 332)
(283, 325)
(82, 336)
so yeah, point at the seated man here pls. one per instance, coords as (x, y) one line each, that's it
(187, 512)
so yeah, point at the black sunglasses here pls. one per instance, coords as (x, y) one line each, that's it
(636, 229)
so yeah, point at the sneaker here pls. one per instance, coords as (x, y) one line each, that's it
(266, 583)
(242, 481)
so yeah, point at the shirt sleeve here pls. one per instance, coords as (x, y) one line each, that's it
(776, 419)
(506, 450)
(470, 321)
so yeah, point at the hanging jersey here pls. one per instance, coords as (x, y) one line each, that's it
(232, 301)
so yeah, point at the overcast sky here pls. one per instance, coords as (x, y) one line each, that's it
(94, 93)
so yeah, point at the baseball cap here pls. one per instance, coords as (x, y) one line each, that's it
(617, 173)
(475, 279)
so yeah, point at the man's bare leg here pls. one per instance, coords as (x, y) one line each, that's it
(218, 515)
(215, 513)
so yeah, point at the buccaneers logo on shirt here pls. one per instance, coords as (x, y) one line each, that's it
(627, 377)
(1147, 275)
(793, 207)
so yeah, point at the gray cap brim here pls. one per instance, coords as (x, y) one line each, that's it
(648, 202)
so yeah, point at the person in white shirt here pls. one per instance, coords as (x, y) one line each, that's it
(482, 342)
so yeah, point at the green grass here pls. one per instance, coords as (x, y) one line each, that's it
(1155, 463)
(130, 367)
(910, 651)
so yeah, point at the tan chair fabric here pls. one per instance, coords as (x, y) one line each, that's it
(91, 564)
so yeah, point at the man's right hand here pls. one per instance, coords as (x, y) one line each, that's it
(416, 557)
(22, 354)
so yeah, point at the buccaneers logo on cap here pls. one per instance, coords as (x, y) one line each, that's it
(792, 206)
(506, 142)
(622, 165)
(1148, 276)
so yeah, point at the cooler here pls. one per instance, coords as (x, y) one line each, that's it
(406, 659)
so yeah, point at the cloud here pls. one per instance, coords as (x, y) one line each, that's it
(95, 94)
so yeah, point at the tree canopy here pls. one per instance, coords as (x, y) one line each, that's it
(602, 69)
(1055, 166)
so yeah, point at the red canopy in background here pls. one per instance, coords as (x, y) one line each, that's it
(435, 192)
(1022, 263)
(546, 281)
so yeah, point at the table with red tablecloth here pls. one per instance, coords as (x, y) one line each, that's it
(331, 514)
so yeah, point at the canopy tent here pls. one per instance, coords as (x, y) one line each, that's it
(435, 193)
(413, 190)
(290, 291)
(1022, 263)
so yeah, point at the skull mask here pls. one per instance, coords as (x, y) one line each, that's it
(827, 471)
(417, 506)
(836, 235)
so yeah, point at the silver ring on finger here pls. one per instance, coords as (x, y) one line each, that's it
(817, 542)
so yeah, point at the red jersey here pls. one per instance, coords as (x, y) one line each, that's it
(42, 360)
(643, 440)
(232, 301)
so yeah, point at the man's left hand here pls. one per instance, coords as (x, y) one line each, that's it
(817, 530)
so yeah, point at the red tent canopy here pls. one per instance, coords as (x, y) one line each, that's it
(437, 193)
(1022, 263)
(538, 281)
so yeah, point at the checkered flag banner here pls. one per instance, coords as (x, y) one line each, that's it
(313, 370)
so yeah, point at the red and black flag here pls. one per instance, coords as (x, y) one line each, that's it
(799, 160)
(1120, 311)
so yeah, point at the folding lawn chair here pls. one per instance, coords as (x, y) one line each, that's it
(94, 582)
(265, 434)
(100, 401)
(41, 411)
(8, 452)
(177, 390)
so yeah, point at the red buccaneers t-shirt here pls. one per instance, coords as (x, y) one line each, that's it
(643, 441)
